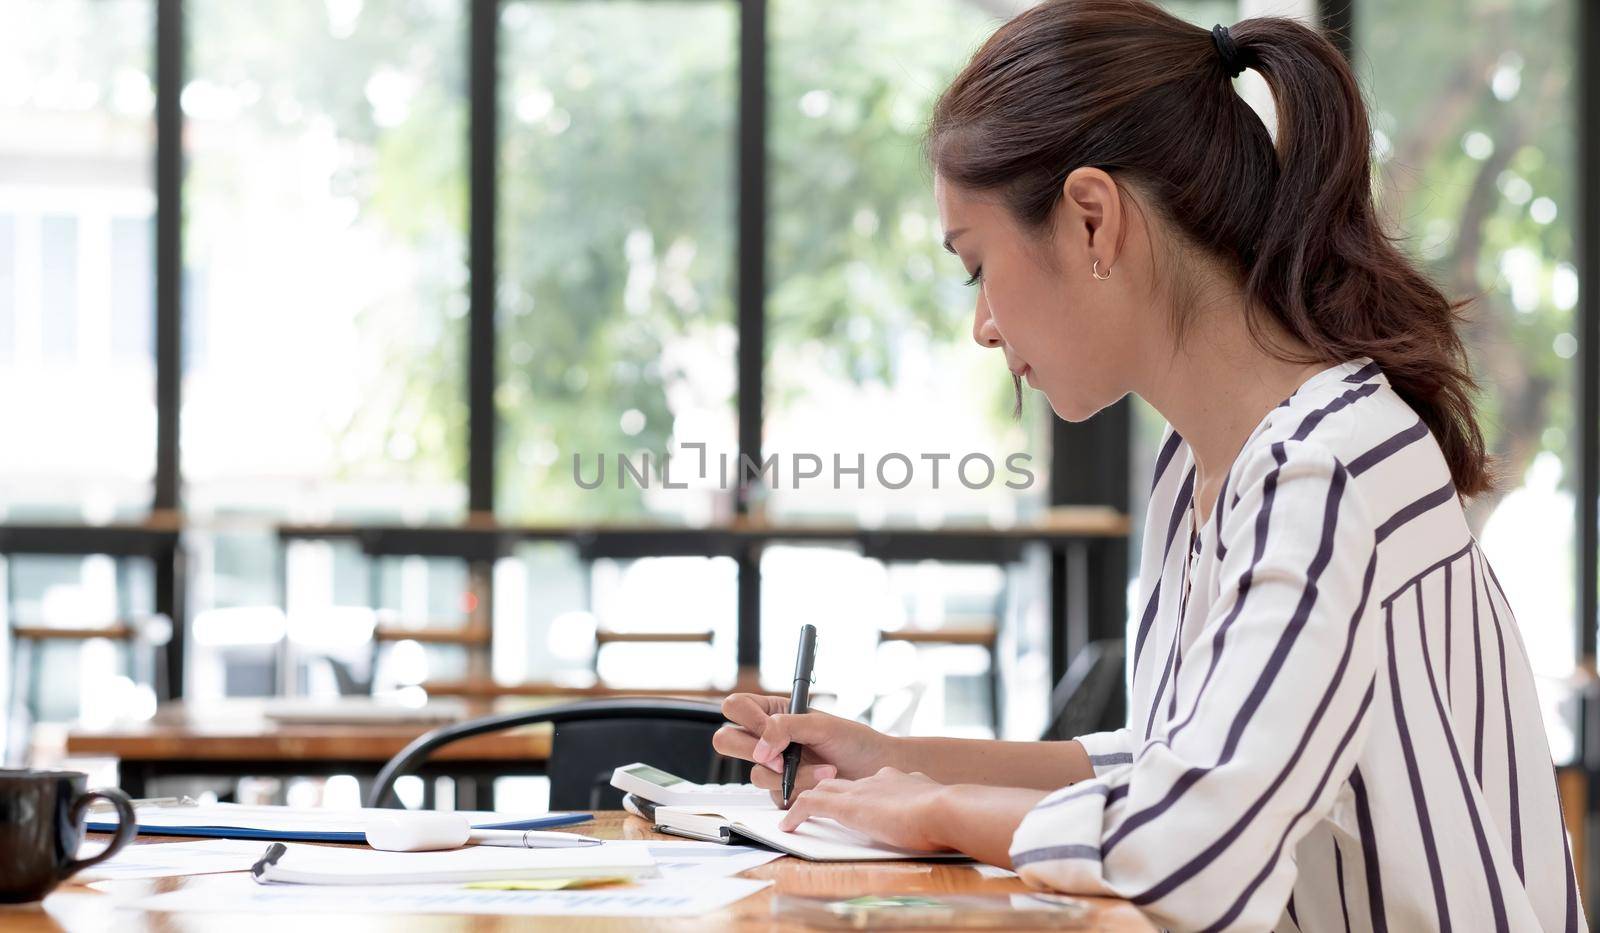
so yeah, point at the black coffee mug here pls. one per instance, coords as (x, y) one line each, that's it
(41, 825)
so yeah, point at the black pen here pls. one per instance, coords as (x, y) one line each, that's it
(799, 698)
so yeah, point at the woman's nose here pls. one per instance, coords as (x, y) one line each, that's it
(983, 329)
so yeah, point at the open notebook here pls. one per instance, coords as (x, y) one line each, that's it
(817, 840)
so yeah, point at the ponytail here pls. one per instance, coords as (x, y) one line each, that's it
(1057, 88)
(1322, 262)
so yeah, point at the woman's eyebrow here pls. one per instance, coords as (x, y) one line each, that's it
(950, 239)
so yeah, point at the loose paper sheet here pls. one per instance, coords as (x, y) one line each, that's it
(305, 864)
(169, 860)
(666, 897)
(702, 859)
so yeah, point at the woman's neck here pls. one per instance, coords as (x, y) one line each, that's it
(1216, 389)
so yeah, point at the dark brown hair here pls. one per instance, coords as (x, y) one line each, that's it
(1126, 87)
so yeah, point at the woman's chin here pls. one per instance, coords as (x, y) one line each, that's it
(1073, 408)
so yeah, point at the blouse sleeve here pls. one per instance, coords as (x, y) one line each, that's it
(1198, 827)
(1108, 750)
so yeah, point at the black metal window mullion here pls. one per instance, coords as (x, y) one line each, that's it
(1338, 19)
(751, 299)
(1587, 406)
(483, 141)
(1090, 464)
(1588, 326)
(169, 62)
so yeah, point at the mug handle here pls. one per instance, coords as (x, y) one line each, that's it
(127, 826)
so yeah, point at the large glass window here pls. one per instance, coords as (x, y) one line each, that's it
(76, 217)
(873, 382)
(921, 644)
(616, 333)
(869, 331)
(325, 258)
(1473, 109)
(325, 292)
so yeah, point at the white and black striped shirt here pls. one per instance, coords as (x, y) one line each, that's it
(1332, 719)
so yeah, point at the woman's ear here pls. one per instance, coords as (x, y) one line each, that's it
(1090, 218)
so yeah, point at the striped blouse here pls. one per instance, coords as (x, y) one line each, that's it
(1332, 721)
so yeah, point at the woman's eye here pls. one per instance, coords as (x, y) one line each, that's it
(977, 275)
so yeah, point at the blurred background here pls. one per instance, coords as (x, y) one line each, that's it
(307, 308)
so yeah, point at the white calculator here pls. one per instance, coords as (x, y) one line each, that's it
(669, 790)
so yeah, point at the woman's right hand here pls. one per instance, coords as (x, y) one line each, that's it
(760, 727)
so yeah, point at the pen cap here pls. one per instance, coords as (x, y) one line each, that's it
(404, 831)
(805, 657)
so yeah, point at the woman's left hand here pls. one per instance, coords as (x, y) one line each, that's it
(891, 806)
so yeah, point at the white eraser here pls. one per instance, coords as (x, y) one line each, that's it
(407, 831)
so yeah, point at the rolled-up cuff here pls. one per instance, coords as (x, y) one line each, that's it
(1108, 750)
(1057, 845)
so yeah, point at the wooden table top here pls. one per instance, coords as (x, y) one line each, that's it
(240, 732)
(74, 908)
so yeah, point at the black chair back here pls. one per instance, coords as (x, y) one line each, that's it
(584, 753)
(1092, 695)
(591, 739)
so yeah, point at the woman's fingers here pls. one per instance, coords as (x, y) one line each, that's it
(774, 739)
(807, 777)
(759, 730)
(734, 742)
(819, 801)
(749, 716)
(783, 728)
(751, 710)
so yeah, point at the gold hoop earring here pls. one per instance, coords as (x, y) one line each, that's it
(1096, 272)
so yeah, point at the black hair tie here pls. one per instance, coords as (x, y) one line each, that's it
(1232, 62)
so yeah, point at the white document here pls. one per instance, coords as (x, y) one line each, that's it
(171, 859)
(301, 865)
(662, 898)
(994, 871)
(701, 859)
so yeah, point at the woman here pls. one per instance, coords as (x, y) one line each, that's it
(1332, 720)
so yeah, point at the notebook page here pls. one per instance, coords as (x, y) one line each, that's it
(819, 839)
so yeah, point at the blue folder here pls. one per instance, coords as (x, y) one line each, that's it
(295, 835)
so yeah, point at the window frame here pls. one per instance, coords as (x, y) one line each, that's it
(1076, 476)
